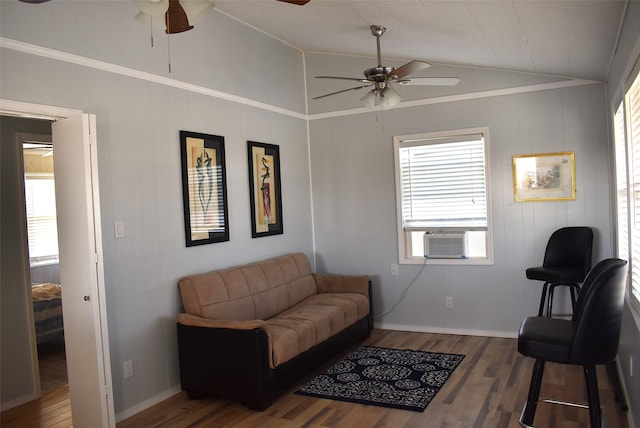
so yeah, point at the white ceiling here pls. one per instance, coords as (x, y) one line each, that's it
(558, 37)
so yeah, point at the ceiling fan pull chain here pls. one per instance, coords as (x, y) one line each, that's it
(169, 51)
(151, 34)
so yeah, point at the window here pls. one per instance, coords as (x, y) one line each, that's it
(627, 159)
(41, 219)
(442, 197)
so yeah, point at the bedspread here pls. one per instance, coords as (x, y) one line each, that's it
(47, 311)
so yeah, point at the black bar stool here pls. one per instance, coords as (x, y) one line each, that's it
(589, 338)
(567, 260)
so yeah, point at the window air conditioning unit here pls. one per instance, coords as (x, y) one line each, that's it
(446, 245)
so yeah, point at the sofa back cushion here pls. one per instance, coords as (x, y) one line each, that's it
(257, 290)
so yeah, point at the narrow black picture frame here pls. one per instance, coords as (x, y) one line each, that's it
(204, 188)
(265, 189)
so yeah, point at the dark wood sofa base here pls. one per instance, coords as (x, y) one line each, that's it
(234, 363)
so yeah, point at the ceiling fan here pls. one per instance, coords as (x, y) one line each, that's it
(177, 17)
(381, 78)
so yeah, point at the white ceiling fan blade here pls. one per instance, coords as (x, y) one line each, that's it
(154, 8)
(431, 81)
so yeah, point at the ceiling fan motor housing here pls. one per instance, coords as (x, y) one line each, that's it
(378, 74)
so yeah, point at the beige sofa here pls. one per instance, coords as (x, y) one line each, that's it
(248, 332)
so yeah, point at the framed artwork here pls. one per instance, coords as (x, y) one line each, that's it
(264, 189)
(544, 177)
(204, 188)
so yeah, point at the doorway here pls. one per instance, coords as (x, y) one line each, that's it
(81, 269)
(42, 237)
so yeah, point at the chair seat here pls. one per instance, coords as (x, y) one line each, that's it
(560, 275)
(545, 338)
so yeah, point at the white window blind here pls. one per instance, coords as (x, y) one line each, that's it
(40, 201)
(443, 183)
(622, 198)
(633, 141)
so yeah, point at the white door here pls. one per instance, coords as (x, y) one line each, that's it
(81, 272)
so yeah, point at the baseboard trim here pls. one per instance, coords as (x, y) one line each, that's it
(127, 413)
(18, 401)
(441, 330)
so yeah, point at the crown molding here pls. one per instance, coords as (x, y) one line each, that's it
(57, 55)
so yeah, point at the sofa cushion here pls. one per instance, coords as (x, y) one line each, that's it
(312, 321)
(254, 291)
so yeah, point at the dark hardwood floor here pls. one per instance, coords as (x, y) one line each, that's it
(488, 389)
(53, 365)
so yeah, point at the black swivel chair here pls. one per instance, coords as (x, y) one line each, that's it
(590, 338)
(567, 260)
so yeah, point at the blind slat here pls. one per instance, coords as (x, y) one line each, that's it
(443, 182)
(42, 231)
(627, 155)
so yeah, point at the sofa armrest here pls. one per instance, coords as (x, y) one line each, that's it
(226, 362)
(328, 283)
(196, 321)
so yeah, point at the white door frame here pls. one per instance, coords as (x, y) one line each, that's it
(39, 111)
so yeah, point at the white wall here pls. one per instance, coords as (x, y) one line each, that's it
(355, 212)
(138, 124)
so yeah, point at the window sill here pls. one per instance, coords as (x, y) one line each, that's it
(471, 261)
(47, 262)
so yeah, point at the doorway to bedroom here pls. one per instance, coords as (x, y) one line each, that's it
(42, 237)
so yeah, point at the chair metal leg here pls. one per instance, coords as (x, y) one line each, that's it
(575, 291)
(612, 371)
(543, 298)
(529, 410)
(595, 413)
(552, 287)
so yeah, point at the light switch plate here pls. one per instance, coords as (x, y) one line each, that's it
(118, 227)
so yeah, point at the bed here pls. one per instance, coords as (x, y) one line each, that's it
(47, 311)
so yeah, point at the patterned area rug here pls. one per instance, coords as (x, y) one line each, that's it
(396, 378)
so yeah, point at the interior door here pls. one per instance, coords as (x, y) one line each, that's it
(81, 271)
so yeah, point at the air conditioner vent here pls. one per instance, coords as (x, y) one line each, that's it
(446, 245)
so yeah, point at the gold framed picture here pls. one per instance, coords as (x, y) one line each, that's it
(544, 177)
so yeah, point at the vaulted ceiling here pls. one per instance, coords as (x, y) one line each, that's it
(565, 38)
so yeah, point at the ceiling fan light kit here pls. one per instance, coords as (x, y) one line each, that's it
(381, 78)
(385, 97)
(177, 17)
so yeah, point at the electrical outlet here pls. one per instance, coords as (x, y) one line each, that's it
(128, 369)
(448, 302)
(394, 269)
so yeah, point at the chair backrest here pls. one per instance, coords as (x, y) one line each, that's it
(570, 247)
(598, 314)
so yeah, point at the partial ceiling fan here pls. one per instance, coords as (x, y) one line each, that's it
(381, 78)
(178, 17)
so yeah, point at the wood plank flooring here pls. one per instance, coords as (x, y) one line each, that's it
(488, 389)
(52, 410)
(53, 365)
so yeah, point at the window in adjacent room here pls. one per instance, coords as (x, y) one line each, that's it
(627, 158)
(40, 204)
(442, 197)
